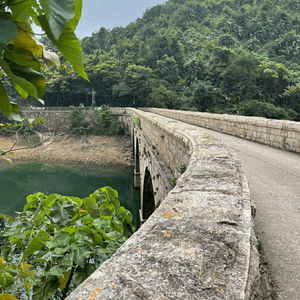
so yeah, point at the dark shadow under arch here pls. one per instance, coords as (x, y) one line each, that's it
(148, 197)
(133, 150)
(137, 156)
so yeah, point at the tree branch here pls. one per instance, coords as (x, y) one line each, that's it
(24, 148)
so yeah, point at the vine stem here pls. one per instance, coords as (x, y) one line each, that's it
(65, 291)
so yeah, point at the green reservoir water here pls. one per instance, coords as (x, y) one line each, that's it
(20, 179)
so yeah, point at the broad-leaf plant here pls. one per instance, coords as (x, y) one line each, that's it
(58, 241)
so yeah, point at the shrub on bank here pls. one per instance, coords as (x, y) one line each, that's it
(77, 124)
(107, 123)
(101, 122)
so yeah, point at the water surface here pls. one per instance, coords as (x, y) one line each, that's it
(19, 179)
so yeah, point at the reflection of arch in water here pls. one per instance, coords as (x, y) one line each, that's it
(148, 196)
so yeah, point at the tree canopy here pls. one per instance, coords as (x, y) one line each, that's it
(205, 55)
(22, 55)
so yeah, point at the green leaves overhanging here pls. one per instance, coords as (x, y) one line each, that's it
(5, 105)
(8, 31)
(58, 14)
(69, 46)
(23, 83)
(21, 54)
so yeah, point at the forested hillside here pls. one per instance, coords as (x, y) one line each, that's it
(222, 56)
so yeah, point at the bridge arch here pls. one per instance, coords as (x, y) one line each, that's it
(148, 201)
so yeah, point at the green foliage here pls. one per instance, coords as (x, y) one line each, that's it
(205, 55)
(22, 55)
(137, 121)
(264, 109)
(58, 241)
(101, 122)
(173, 184)
(77, 124)
(106, 123)
(182, 169)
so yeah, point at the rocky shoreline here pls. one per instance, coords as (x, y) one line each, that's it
(91, 149)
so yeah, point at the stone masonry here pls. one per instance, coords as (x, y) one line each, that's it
(276, 133)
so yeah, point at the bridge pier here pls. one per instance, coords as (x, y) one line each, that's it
(137, 179)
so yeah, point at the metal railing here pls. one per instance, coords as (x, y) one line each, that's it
(32, 108)
(64, 109)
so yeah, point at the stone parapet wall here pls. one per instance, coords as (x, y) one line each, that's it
(276, 133)
(199, 243)
(173, 146)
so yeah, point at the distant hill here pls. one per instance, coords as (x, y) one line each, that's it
(222, 56)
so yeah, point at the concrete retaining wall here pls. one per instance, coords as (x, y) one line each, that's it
(55, 121)
(199, 243)
(276, 133)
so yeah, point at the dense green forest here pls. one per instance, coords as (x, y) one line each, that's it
(221, 56)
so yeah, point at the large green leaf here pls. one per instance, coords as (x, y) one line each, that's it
(57, 271)
(23, 83)
(81, 274)
(58, 14)
(6, 279)
(9, 109)
(21, 92)
(69, 46)
(59, 215)
(61, 239)
(21, 57)
(24, 12)
(5, 105)
(8, 31)
(81, 254)
(7, 297)
(74, 21)
(6, 250)
(34, 245)
(63, 280)
(46, 289)
(34, 77)
(25, 39)
(98, 239)
(91, 206)
(126, 214)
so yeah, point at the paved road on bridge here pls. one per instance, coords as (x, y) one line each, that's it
(274, 179)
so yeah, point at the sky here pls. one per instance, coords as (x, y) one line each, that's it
(110, 14)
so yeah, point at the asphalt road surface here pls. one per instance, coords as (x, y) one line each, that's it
(274, 180)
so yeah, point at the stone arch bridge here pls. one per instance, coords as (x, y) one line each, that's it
(197, 240)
